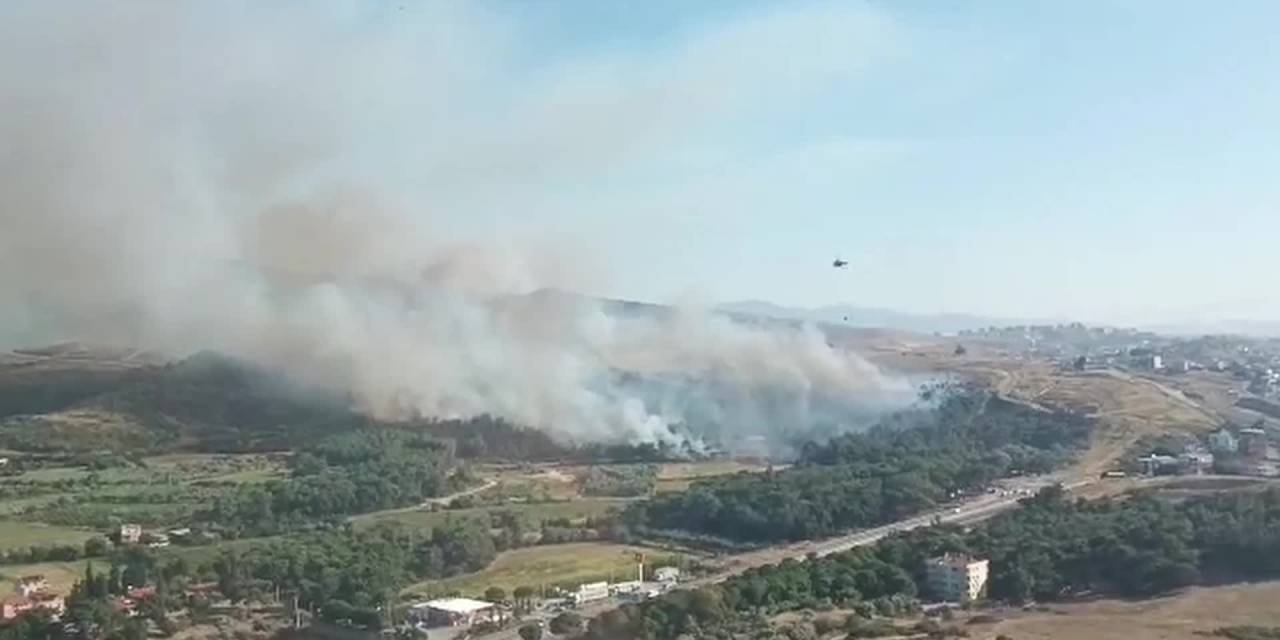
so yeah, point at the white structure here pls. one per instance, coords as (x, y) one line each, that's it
(1157, 363)
(590, 592)
(626, 588)
(1222, 441)
(30, 585)
(130, 533)
(667, 574)
(452, 612)
(958, 578)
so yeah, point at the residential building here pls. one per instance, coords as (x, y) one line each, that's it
(31, 585)
(1196, 462)
(130, 533)
(453, 612)
(626, 588)
(1253, 443)
(957, 578)
(1223, 441)
(16, 605)
(590, 592)
(1155, 464)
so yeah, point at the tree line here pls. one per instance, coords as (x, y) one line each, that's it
(907, 463)
(341, 475)
(1053, 547)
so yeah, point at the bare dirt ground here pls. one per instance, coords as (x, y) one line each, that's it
(1127, 407)
(1188, 615)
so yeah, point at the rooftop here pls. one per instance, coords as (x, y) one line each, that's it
(455, 605)
(954, 560)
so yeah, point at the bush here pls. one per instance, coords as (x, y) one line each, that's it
(566, 623)
(531, 632)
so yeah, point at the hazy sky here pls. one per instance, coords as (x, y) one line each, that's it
(1098, 160)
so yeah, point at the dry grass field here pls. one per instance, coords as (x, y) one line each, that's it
(1185, 616)
(1126, 407)
(564, 565)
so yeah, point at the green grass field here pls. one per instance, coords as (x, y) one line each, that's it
(563, 565)
(17, 535)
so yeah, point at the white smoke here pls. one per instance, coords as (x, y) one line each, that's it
(176, 178)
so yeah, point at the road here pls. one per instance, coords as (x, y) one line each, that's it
(445, 500)
(973, 509)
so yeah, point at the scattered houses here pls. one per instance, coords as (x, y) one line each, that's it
(31, 593)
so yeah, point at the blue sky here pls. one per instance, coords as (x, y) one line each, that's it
(1105, 160)
(1109, 161)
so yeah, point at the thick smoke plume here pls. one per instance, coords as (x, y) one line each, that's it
(187, 181)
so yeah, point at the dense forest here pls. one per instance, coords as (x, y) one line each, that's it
(1051, 548)
(907, 463)
(336, 477)
(348, 576)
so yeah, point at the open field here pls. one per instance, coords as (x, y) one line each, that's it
(1127, 407)
(677, 476)
(540, 482)
(61, 575)
(563, 565)
(162, 491)
(575, 510)
(15, 535)
(1186, 616)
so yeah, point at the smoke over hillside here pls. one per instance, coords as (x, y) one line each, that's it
(186, 189)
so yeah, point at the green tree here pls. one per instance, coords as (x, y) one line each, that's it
(566, 623)
(495, 594)
(530, 632)
(96, 546)
(523, 594)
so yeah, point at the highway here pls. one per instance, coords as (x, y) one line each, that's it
(974, 509)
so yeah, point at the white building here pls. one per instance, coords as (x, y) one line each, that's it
(626, 588)
(30, 585)
(590, 592)
(1222, 441)
(958, 578)
(667, 574)
(452, 612)
(130, 533)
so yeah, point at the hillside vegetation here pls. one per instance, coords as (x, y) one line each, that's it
(909, 462)
(208, 403)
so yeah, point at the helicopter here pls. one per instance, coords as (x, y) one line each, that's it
(839, 264)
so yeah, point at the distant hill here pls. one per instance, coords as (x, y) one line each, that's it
(63, 399)
(75, 397)
(874, 318)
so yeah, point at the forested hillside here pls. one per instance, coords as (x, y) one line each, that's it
(340, 476)
(909, 462)
(212, 403)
